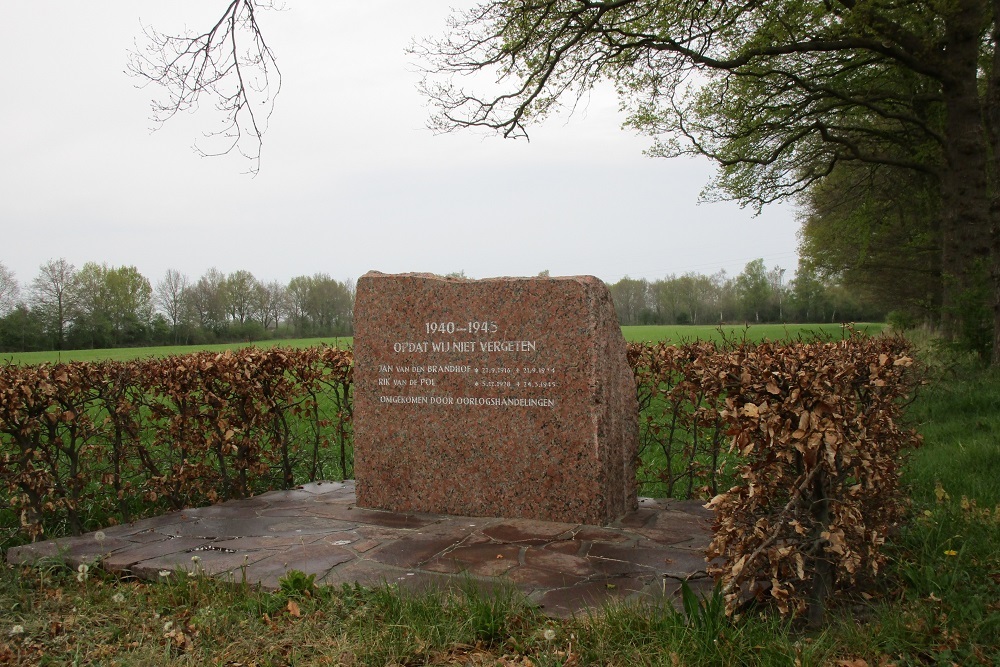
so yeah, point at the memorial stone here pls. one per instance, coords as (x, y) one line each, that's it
(504, 397)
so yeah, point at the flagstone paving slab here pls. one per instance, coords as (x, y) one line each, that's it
(317, 529)
(126, 560)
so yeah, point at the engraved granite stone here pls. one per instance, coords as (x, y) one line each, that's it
(504, 397)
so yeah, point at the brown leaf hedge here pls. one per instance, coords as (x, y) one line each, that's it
(797, 447)
(83, 445)
(806, 439)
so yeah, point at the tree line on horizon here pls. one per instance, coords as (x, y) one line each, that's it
(98, 306)
(757, 295)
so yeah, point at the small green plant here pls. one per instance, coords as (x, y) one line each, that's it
(705, 614)
(901, 320)
(297, 584)
(489, 613)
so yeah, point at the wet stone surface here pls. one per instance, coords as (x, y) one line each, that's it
(564, 568)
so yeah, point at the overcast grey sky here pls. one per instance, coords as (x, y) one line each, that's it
(350, 180)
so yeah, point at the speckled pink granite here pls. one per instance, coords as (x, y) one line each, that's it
(505, 397)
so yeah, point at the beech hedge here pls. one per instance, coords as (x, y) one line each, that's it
(84, 444)
(809, 442)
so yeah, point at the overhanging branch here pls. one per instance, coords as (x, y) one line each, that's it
(230, 63)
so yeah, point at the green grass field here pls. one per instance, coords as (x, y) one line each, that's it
(674, 334)
(129, 353)
(755, 333)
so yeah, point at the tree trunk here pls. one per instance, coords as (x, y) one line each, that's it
(823, 571)
(965, 192)
(995, 280)
(993, 134)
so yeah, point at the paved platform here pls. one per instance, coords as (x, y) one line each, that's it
(562, 567)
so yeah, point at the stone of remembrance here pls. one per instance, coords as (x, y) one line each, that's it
(505, 397)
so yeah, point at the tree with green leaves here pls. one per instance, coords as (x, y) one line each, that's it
(632, 300)
(112, 306)
(696, 293)
(53, 298)
(129, 304)
(808, 295)
(22, 330)
(169, 298)
(875, 230)
(241, 296)
(10, 290)
(206, 302)
(779, 93)
(270, 304)
(319, 305)
(666, 301)
(329, 304)
(91, 318)
(754, 289)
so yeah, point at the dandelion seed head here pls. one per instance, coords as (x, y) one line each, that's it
(100, 536)
(17, 630)
(164, 573)
(549, 634)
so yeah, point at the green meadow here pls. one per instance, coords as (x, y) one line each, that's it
(130, 353)
(674, 334)
(753, 332)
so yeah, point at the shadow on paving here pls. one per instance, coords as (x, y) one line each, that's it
(317, 529)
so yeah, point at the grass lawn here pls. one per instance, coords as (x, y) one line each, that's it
(755, 332)
(676, 334)
(129, 353)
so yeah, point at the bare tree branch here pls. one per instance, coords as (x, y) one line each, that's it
(231, 63)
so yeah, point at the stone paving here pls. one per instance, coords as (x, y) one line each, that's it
(564, 568)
